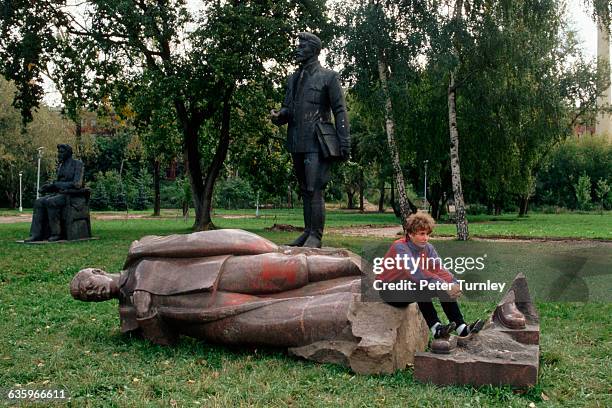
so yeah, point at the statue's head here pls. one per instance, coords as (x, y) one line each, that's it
(309, 45)
(64, 152)
(93, 285)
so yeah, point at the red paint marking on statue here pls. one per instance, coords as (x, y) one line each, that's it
(274, 273)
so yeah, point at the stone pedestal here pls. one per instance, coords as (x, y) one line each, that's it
(386, 339)
(498, 355)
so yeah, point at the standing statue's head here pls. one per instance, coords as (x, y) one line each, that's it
(309, 46)
(64, 152)
(93, 285)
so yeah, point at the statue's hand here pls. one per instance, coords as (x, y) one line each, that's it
(274, 114)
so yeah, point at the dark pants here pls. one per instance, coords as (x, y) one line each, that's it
(451, 308)
(312, 172)
(47, 212)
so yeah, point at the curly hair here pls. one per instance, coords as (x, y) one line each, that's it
(420, 221)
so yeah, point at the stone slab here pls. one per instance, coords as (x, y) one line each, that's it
(529, 335)
(446, 369)
(497, 355)
(61, 241)
(385, 339)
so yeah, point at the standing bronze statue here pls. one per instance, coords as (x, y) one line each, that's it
(46, 220)
(313, 93)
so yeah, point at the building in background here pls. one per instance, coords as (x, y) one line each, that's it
(604, 120)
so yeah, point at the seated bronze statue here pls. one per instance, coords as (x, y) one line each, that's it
(48, 209)
(234, 287)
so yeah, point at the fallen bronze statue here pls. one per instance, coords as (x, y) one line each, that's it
(234, 287)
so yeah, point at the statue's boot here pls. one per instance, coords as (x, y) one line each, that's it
(444, 345)
(509, 315)
(317, 220)
(306, 199)
(37, 228)
(299, 241)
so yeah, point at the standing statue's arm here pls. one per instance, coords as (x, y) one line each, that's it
(284, 115)
(338, 106)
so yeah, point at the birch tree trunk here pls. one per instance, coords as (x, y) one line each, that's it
(381, 199)
(390, 129)
(361, 192)
(156, 189)
(461, 220)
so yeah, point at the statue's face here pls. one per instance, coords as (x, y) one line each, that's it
(95, 287)
(304, 51)
(62, 154)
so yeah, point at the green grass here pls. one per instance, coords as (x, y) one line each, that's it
(48, 340)
(568, 225)
(575, 225)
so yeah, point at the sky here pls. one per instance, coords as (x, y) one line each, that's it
(579, 18)
(584, 25)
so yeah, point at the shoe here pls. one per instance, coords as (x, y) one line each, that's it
(472, 328)
(54, 238)
(444, 330)
(299, 241)
(476, 326)
(312, 242)
(444, 345)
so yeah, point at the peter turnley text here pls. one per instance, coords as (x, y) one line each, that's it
(405, 284)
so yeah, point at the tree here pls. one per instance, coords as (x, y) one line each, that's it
(199, 71)
(19, 143)
(458, 30)
(383, 40)
(591, 156)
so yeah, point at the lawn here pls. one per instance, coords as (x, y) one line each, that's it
(576, 225)
(48, 340)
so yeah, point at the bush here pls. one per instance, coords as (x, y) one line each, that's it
(583, 192)
(144, 192)
(110, 192)
(234, 193)
(476, 209)
(586, 156)
(107, 192)
(175, 194)
(602, 191)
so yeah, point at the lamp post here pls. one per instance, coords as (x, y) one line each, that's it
(425, 187)
(20, 197)
(40, 149)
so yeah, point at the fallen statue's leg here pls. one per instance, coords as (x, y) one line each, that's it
(368, 337)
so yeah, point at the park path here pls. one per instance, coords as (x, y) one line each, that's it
(9, 219)
(396, 233)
